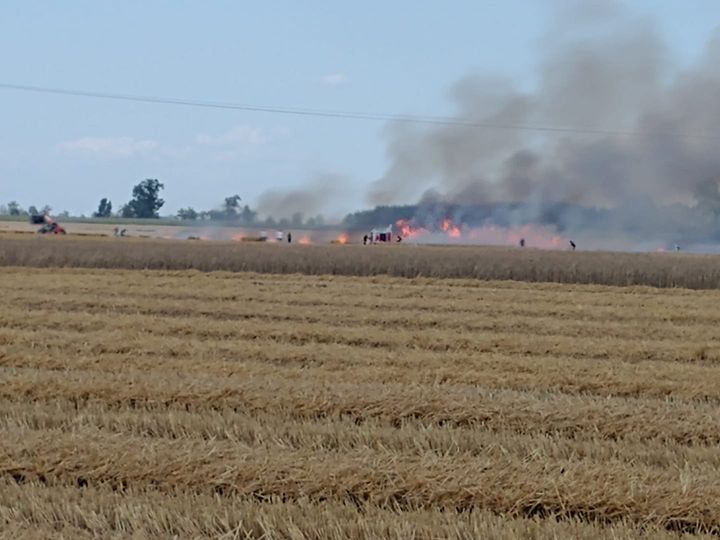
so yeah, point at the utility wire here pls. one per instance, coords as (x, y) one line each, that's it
(412, 119)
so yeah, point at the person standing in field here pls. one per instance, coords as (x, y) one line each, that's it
(289, 238)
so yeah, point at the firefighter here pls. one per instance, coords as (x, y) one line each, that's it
(365, 240)
(522, 242)
(572, 245)
(289, 238)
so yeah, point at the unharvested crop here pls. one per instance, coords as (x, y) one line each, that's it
(145, 403)
(457, 262)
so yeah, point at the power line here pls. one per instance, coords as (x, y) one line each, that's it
(412, 119)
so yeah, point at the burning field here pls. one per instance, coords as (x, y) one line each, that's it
(140, 403)
(446, 231)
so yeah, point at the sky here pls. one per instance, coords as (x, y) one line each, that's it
(400, 57)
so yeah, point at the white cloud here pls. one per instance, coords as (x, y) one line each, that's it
(333, 79)
(239, 136)
(108, 147)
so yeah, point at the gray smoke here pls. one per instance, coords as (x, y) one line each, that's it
(603, 71)
(316, 196)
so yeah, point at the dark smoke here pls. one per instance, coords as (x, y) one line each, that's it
(656, 174)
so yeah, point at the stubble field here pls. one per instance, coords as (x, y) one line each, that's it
(183, 404)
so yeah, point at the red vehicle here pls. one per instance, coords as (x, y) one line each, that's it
(49, 225)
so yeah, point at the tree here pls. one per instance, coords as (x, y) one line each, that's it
(187, 214)
(216, 215)
(247, 215)
(127, 211)
(231, 206)
(14, 208)
(46, 210)
(104, 209)
(146, 200)
(297, 219)
(32, 210)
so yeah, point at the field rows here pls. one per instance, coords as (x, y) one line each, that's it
(271, 430)
(102, 511)
(495, 369)
(209, 404)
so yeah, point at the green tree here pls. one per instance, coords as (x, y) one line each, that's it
(146, 200)
(231, 206)
(104, 209)
(14, 208)
(187, 214)
(32, 210)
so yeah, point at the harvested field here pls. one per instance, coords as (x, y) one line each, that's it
(145, 404)
(457, 262)
(162, 229)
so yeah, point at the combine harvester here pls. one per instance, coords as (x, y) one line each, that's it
(49, 225)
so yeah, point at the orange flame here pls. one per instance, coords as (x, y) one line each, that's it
(450, 228)
(537, 237)
(304, 241)
(342, 239)
(407, 230)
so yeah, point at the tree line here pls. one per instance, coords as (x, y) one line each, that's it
(146, 204)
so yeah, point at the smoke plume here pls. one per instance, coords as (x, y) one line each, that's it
(313, 197)
(621, 129)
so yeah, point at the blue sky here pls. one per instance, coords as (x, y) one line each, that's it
(389, 57)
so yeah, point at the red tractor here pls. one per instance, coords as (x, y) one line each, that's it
(49, 225)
